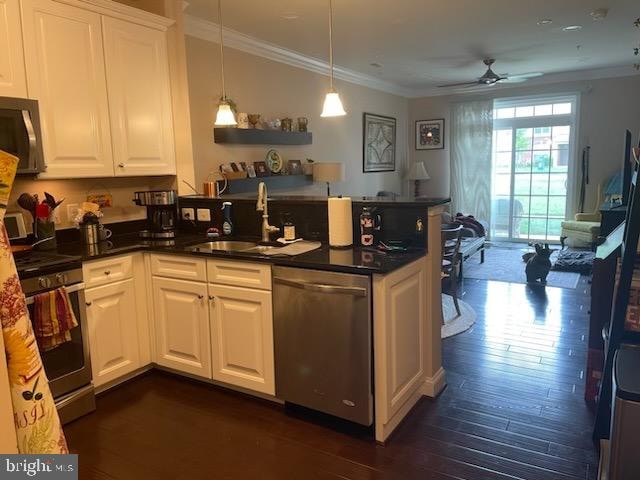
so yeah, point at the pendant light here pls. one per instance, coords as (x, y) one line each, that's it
(225, 116)
(332, 103)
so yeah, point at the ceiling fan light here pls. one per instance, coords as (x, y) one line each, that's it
(332, 106)
(225, 116)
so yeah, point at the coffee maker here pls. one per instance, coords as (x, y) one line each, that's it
(161, 213)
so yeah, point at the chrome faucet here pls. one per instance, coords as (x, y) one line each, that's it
(261, 206)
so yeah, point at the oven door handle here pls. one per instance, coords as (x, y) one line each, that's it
(76, 287)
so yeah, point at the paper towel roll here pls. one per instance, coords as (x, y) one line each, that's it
(340, 222)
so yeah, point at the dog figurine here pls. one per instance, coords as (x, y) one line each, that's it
(538, 264)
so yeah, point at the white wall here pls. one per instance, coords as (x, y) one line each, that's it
(607, 108)
(275, 90)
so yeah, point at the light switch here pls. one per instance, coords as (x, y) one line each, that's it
(188, 213)
(204, 215)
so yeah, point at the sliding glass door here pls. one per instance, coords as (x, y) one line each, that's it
(533, 167)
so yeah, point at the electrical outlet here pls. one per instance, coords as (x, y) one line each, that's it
(204, 215)
(188, 213)
(72, 211)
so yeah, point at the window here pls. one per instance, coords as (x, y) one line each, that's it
(533, 145)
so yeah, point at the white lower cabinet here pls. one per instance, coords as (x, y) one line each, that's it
(242, 337)
(113, 333)
(181, 318)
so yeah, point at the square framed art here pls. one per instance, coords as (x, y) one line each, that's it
(430, 134)
(378, 143)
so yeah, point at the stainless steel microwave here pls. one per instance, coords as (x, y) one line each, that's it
(20, 133)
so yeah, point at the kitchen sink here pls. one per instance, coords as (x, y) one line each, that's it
(224, 246)
(261, 249)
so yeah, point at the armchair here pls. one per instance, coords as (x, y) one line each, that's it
(585, 228)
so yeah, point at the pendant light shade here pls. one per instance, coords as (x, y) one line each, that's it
(332, 103)
(225, 116)
(332, 106)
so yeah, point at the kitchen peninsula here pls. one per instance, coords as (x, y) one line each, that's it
(213, 316)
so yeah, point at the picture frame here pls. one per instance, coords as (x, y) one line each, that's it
(378, 143)
(430, 134)
(261, 169)
(294, 167)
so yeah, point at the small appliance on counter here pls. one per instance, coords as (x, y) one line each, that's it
(161, 213)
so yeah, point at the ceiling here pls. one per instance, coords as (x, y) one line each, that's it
(420, 44)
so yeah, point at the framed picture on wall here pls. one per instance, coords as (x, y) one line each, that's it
(379, 143)
(430, 134)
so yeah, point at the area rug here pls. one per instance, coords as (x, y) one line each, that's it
(454, 323)
(506, 265)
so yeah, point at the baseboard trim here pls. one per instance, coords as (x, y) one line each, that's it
(384, 430)
(125, 378)
(432, 386)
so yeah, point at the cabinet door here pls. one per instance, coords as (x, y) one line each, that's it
(242, 337)
(182, 326)
(12, 77)
(65, 73)
(113, 333)
(139, 99)
(399, 336)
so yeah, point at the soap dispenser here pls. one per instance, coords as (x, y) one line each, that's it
(227, 224)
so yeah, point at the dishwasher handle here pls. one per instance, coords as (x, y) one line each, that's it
(322, 288)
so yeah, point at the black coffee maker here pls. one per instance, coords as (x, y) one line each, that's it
(162, 213)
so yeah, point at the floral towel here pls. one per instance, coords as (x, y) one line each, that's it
(53, 318)
(37, 423)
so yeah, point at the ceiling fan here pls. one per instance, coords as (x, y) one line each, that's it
(491, 78)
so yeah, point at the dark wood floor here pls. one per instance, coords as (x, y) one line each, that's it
(513, 409)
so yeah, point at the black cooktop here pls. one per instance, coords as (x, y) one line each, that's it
(41, 263)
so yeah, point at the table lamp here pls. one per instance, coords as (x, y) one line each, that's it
(328, 172)
(417, 174)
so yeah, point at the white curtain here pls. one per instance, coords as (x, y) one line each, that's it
(472, 133)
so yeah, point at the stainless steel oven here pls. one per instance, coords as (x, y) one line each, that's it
(20, 133)
(68, 366)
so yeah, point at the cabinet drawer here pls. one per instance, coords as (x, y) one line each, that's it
(180, 267)
(239, 274)
(112, 269)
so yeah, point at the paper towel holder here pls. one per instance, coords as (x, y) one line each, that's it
(328, 172)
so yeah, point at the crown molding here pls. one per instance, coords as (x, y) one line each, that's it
(561, 77)
(122, 11)
(210, 31)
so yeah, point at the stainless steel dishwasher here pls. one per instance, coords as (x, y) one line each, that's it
(322, 333)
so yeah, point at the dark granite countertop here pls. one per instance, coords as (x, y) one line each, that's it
(351, 260)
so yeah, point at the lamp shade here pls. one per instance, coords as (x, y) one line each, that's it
(225, 115)
(332, 106)
(418, 172)
(328, 172)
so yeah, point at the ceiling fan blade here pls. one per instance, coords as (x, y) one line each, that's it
(458, 84)
(521, 77)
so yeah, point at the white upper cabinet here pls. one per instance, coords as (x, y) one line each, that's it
(13, 82)
(139, 98)
(65, 73)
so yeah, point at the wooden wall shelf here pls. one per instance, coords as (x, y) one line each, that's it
(273, 182)
(255, 136)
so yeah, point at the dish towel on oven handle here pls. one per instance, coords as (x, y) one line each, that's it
(35, 419)
(53, 318)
